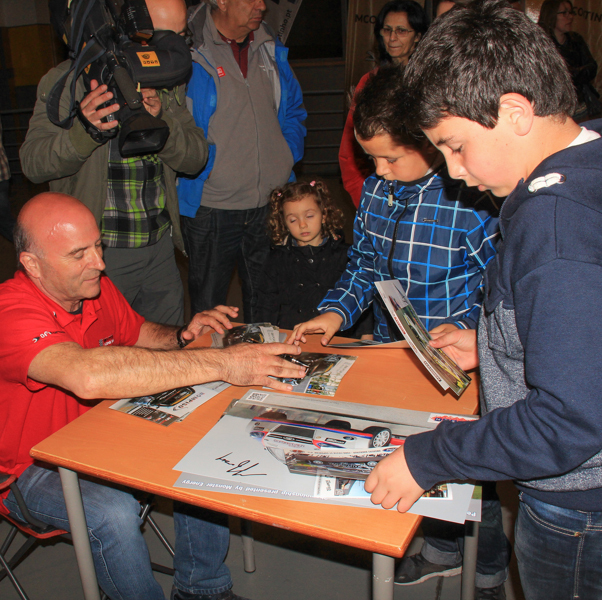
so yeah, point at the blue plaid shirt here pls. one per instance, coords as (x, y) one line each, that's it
(443, 243)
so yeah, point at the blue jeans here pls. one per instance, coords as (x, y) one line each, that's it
(218, 240)
(120, 554)
(559, 551)
(444, 542)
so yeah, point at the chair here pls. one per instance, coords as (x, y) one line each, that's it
(34, 531)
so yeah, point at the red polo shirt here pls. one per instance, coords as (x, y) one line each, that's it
(29, 322)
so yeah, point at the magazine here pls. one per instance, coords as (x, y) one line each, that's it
(337, 487)
(445, 371)
(168, 407)
(254, 333)
(371, 344)
(324, 372)
(262, 442)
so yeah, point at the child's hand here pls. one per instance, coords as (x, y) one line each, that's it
(458, 344)
(392, 483)
(327, 323)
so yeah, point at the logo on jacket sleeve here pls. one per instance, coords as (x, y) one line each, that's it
(43, 335)
(106, 341)
(221, 72)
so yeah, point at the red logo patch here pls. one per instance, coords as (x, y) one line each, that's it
(221, 72)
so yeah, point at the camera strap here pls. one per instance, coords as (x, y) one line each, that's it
(90, 51)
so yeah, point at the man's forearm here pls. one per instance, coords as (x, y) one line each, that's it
(124, 372)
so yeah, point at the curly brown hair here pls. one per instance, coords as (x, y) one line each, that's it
(291, 192)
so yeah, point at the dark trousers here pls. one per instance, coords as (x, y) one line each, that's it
(7, 221)
(218, 240)
(444, 542)
(149, 279)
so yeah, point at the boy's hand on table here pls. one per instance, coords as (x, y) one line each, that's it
(327, 323)
(391, 483)
(216, 319)
(459, 344)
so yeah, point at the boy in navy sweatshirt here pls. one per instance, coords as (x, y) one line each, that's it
(500, 117)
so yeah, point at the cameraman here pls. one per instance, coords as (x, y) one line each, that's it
(134, 200)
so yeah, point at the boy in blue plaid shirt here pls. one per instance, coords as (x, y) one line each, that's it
(436, 236)
(414, 224)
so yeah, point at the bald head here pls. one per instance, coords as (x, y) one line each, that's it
(168, 15)
(45, 217)
(60, 248)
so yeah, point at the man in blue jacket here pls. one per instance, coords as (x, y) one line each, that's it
(245, 97)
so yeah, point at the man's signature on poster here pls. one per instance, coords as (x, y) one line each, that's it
(238, 470)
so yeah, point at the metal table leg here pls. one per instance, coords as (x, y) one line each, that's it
(383, 577)
(469, 564)
(248, 548)
(79, 533)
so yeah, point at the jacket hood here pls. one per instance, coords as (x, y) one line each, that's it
(566, 174)
(555, 213)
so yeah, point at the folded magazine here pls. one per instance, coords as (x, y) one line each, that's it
(445, 371)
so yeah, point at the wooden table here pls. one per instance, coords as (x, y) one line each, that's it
(130, 451)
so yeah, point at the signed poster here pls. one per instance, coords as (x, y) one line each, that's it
(254, 448)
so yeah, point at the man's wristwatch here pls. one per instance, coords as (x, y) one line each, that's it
(181, 341)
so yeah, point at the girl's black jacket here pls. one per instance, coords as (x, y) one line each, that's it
(296, 280)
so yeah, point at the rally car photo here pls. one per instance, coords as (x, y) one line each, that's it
(276, 431)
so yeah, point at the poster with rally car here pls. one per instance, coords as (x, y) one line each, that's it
(278, 444)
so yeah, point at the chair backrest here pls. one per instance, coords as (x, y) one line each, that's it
(30, 525)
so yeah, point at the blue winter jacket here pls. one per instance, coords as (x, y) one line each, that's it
(443, 240)
(203, 93)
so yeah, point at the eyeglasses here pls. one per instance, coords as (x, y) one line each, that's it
(565, 12)
(399, 31)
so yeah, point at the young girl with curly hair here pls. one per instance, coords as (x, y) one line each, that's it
(308, 253)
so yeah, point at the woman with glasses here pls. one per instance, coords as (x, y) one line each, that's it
(556, 18)
(398, 28)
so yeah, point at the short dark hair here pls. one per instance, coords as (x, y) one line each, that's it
(473, 56)
(380, 108)
(548, 13)
(416, 18)
(23, 243)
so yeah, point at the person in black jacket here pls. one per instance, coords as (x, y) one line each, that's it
(556, 19)
(308, 253)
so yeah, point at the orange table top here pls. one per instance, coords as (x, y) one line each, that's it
(131, 451)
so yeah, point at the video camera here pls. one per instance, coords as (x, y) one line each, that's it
(105, 43)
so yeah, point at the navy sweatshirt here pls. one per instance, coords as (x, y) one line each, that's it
(540, 345)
